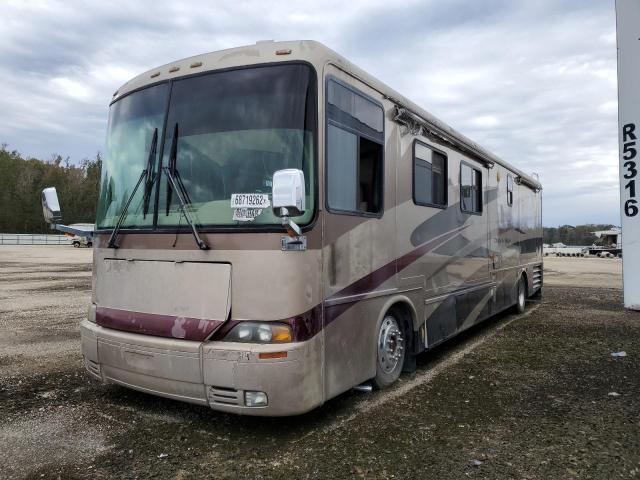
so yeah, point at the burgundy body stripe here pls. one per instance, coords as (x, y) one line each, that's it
(169, 326)
(378, 277)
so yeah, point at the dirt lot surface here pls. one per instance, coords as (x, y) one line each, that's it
(583, 272)
(531, 396)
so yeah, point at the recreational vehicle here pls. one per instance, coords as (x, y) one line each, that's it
(276, 226)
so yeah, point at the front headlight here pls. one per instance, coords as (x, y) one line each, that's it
(264, 332)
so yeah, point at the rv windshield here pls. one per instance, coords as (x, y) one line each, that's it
(236, 128)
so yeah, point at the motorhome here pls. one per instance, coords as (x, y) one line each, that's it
(276, 226)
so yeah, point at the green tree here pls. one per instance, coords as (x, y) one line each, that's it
(23, 179)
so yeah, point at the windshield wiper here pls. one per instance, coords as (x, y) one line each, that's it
(174, 183)
(148, 184)
(147, 176)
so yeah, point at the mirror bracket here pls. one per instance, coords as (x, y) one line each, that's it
(294, 244)
(293, 229)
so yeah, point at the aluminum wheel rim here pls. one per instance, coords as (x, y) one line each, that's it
(390, 344)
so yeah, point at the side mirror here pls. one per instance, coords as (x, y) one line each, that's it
(50, 205)
(288, 193)
(288, 197)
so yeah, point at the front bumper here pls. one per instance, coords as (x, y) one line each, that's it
(207, 373)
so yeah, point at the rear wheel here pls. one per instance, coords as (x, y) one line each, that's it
(390, 351)
(522, 295)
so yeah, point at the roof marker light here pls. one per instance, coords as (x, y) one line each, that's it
(284, 51)
(115, 93)
(195, 64)
(174, 69)
(154, 75)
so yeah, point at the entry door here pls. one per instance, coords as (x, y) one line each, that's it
(358, 227)
(472, 264)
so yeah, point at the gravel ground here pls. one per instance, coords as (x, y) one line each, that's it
(526, 396)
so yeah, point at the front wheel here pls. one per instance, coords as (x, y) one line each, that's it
(522, 295)
(390, 351)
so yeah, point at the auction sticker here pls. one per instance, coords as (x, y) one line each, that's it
(246, 214)
(250, 200)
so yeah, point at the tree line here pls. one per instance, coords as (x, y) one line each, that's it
(21, 183)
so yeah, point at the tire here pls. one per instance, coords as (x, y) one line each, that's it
(76, 244)
(521, 297)
(89, 244)
(390, 350)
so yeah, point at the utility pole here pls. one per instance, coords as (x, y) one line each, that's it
(628, 36)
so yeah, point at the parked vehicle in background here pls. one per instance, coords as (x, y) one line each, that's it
(610, 243)
(276, 226)
(81, 241)
(561, 250)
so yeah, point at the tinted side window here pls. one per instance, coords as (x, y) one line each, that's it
(342, 171)
(355, 141)
(429, 176)
(369, 176)
(470, 189)
(354, 111)
(509, 189)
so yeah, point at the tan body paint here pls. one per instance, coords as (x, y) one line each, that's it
(447, 269)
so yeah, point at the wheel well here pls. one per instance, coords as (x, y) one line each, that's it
(526, 282)
(406, 313)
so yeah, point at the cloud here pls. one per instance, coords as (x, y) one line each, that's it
(534, 82)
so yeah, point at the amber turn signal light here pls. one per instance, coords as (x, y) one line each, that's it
(267, 355)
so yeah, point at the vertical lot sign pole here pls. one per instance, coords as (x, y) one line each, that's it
(628, 36)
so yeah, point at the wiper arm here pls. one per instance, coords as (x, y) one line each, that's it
(173, 155)
(174, 183)
(148, 184)
(144, 175)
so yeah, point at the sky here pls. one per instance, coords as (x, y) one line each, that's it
(533, 81)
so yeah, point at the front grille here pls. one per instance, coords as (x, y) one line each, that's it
(225, 396)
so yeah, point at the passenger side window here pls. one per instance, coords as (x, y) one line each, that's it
(429, 176)
(355, 142)
(509, 189)
(470, 189)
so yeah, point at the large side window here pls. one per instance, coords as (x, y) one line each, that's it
(470, 189)
(429, 176)
(355, 142)
(509, 189)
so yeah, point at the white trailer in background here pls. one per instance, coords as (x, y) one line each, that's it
(628, 36)
(83, 232)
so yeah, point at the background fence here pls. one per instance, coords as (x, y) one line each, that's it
(33, 239)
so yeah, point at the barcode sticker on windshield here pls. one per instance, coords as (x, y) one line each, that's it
(250, 200)
(246, 214)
